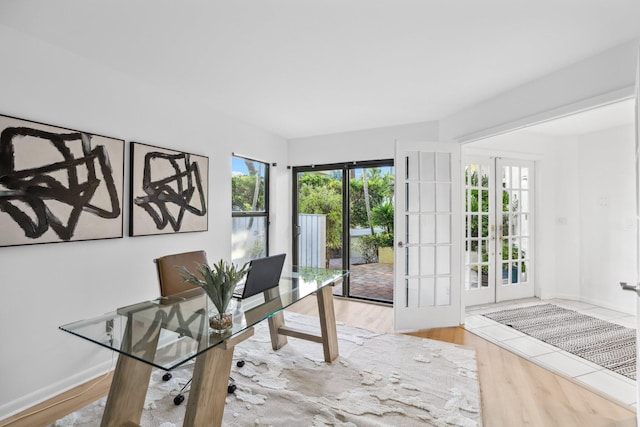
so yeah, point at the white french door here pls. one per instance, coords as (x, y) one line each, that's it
(427, 291)
(499, 229)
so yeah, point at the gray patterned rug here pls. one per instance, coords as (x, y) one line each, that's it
(604, 343)
(378, 380)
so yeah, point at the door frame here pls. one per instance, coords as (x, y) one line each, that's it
(345, 167)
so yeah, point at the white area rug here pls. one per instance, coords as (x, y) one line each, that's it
(378, 380)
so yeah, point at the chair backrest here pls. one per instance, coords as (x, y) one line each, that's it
(168, 275)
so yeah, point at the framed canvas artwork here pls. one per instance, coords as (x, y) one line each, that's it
(57, 184)
(169, 191)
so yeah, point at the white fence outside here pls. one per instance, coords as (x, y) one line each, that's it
(312, 242)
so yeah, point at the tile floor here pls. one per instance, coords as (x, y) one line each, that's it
(608, 383)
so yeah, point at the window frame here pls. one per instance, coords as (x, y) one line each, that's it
(256, 214)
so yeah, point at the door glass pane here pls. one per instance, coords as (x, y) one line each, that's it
(443, 291)
(427, 291)
(483, 201)
(427, 197)
(320, 219)
(427, 229)
(412, 267)
(524, 201)
(443, 167)
(428, 261)
(428, 167)
(515, 177)
(524, 178)
(477, 202)
(413, 196)
(506, 177)
(371, 213)
(412, 166)
(443, 229)
(412, 223)
(443, 196)
(443, 260)
(413, 292)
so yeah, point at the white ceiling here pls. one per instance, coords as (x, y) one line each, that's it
(308, 67)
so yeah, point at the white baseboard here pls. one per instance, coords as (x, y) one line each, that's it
(25, 402)
(599, 303)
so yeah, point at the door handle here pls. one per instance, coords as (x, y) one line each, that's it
(400, 244)
(627, 287)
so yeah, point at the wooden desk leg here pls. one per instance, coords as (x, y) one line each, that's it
(275, 322)
(205, 405)
(130, 383)
(328, 323)
(127, 393)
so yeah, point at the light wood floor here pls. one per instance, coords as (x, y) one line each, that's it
(514, 392)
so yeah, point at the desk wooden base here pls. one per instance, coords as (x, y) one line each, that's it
(125, 401)
(205, 405)
(329, 336)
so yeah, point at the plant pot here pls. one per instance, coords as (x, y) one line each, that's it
(220, 323)
(514, 274)
(385, 255)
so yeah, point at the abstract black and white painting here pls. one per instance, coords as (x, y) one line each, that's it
(58, 185)
(168, 191)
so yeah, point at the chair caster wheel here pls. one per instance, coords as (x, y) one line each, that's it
(178, 399)
(231, 388)
(240, 363)
(167, 377)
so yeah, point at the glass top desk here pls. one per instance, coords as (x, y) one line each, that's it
(168, 332)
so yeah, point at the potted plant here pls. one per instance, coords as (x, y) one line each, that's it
(517, 263)
(219, 283)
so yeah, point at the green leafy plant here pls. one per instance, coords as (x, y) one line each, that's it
(517, 255)
(218, 282)
(380, 189)
(368, 246)
(382, 215)
(478, 201)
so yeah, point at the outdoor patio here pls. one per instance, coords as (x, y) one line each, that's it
(374, 281)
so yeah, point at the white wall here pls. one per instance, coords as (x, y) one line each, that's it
(47, 285)
(597, 80)
(607, 217)
(370, 144)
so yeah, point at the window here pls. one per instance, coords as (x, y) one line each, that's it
(249, 209)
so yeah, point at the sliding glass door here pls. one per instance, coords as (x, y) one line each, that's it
(343, 218)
